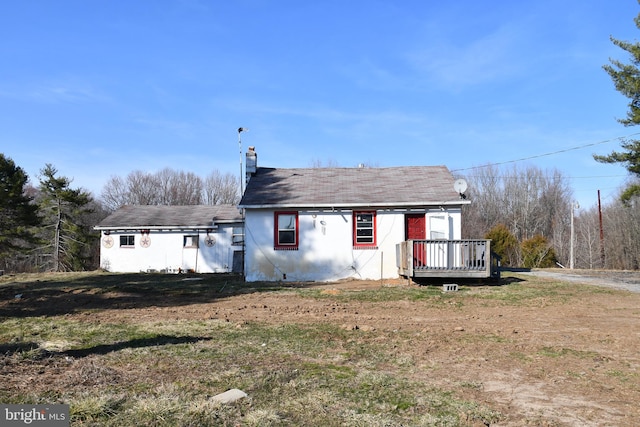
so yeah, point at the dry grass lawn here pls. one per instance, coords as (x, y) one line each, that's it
(152, 350)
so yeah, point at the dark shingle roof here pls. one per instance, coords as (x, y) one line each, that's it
(334, 187)
(170, 216)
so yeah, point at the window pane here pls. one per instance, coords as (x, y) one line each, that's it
(286, 222)
(437, 235)
(286, 237)
(237, 237)
(190, 241)
(286, 229)
(364, 219)
(364, 235)
(364, 228)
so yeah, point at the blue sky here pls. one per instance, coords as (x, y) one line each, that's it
(101, 88)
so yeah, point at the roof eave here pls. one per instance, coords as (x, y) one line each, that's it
(154, 227)
(229, 221)
(355, 205)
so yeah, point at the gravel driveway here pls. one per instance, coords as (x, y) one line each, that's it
(626, 280)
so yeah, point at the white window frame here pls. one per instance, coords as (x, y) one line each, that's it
(191, 241)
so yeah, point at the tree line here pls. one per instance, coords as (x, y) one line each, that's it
(49, 227)
(170, 187)
(526, 212)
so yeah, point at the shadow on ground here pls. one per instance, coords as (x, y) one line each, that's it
(10, 349)
(57, 294)
(68, 293)
(134, 343)
(503, 280)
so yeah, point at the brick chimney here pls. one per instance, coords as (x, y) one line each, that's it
(251, 164)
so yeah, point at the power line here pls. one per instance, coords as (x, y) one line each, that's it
(596, 176)
(579, 147)
(549, 176)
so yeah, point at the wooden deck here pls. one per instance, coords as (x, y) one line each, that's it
(447, 258)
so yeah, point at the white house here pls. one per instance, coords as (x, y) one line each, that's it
(325, 224)
(202, 239)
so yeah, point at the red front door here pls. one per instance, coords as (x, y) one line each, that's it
(415, 228)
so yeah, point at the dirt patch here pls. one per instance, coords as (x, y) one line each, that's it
(551, 361)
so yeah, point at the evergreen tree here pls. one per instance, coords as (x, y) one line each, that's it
(537, 253)
(66, 234)
(17, 212)
(504, 244)
(626, 78)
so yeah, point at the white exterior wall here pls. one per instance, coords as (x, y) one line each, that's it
(325, 251)
(166, 252)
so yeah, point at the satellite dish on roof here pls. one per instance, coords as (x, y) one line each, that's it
(460, 185)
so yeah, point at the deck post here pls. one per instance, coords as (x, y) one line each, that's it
(409, 258)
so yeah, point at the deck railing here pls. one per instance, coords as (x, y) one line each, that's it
(446, 258)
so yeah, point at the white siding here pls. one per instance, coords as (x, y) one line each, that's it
(325, 251)
(166, 252)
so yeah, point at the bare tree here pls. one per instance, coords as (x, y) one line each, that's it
(555, 203)
(142, 188)
(115, 194)
(587, 239)
(221, 189)
(621, 222)
(530, 202)
(329, 163)
(485, 193)
(621, 234)
(178, 188)
(164, 185)
(169, 187)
